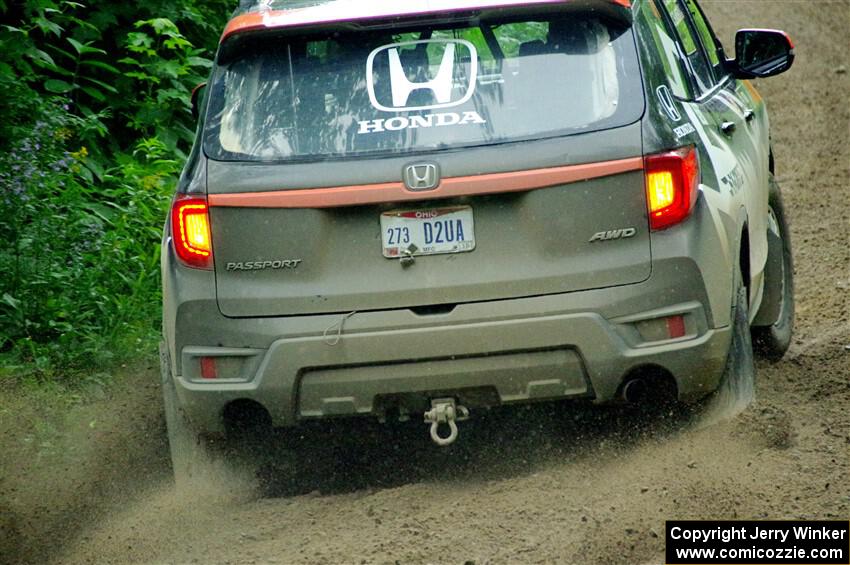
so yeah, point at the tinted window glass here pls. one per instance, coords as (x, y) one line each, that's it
(664, 50)
(696, 58)
(704, 32)
(354, 93)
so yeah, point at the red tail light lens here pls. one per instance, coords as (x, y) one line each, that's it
(190, 231)
(672, 180)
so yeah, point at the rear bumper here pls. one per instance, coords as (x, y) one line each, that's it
(575, 345)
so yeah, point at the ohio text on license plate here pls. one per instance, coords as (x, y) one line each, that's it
(427, 232)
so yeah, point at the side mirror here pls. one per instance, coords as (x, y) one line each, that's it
(196, 100)
(762, 53)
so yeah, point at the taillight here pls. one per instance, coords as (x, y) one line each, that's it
(190, 231)
(672, 180)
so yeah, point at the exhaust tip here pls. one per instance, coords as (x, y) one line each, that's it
(649, 385)
(246, 417)
(635, 391)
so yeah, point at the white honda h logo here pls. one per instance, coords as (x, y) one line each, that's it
(442, 85)
(666, 99)
(423, 176)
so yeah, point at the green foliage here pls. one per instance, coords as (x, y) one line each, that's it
(94, 127)
(166, 67)
(79, 258)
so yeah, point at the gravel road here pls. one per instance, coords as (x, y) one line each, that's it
(550, 484)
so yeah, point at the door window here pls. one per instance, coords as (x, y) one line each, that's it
(712, 46)
(699, 64)
(662, 43)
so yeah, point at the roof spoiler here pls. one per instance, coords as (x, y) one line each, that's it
(270, 15)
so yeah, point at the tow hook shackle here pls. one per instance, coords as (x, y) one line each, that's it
(446, 413)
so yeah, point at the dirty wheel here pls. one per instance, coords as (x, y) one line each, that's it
(772, 340)
(737, 384)
(187, 453)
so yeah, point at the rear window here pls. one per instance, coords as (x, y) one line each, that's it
(352, 93)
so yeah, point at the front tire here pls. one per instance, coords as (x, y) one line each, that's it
(773, 339)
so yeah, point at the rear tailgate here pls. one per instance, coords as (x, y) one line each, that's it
(529, 116)
(273, 261)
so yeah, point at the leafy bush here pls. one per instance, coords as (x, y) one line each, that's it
(80, 259)
(166, 68)
(94, 127)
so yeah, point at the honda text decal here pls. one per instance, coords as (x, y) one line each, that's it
(400, 78)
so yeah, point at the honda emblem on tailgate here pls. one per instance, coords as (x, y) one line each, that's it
(422, 176)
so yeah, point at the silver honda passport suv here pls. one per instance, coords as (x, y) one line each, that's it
(426, 208)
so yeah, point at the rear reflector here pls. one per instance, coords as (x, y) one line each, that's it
(676, 327)
(190, 230)
(672, 180)
(208, 368)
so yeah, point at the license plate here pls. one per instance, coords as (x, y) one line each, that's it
(427, 232)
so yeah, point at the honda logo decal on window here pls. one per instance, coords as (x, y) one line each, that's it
(422, 176)
(452, 85)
